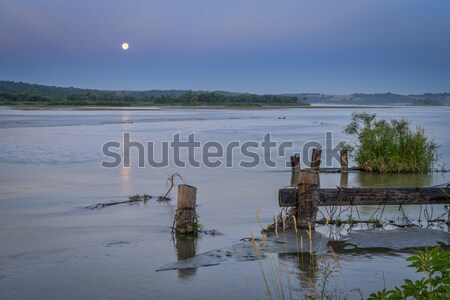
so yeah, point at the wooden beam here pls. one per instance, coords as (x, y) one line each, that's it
(376, 196)
(288, 197)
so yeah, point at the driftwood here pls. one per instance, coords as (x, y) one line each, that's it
(131, 200)
(170, 183)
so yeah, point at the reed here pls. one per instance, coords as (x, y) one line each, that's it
(314, 273)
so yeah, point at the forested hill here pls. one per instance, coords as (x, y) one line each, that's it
(19, 93)
(13, 87)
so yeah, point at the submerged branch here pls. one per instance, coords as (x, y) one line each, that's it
(170, 183)
(131, 200)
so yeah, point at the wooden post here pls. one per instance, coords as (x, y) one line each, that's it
(344, 160)
(308, 183)
(186, 215)
(307, 210)
(295, 165)
(316, 160)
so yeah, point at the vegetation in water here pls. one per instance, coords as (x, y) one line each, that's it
(390, 146)
(318, 272)
(434, 264)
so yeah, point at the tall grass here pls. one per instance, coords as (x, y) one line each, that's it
(390, 146)
(314, 271)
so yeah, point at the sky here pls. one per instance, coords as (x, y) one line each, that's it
(257, 46)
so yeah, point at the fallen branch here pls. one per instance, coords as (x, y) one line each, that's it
(131, 200)
(170, 183)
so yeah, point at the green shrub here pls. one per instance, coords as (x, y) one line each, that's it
(435, 284)
(390, 146)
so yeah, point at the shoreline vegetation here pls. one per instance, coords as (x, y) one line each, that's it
(189, 100)
(29, 96)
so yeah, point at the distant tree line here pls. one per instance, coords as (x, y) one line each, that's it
(190, 98)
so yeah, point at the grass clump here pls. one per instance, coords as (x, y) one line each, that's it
(390, 146)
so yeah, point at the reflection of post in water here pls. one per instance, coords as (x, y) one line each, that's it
(307, 265)
(344, 180)
(344, 167)
(185, 245)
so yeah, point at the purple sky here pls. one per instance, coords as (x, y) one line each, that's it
(260, 46)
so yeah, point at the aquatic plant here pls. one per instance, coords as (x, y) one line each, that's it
(198, 227)
(390, 146)
(435, 283)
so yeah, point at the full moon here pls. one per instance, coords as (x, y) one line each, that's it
(125, 46)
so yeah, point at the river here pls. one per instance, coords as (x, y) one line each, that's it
(52, 247)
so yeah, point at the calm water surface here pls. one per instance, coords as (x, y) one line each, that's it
(54, 248)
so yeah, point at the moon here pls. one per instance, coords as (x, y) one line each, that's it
(125, 46)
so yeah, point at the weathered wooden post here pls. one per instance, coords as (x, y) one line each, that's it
(295, 162)
(295, 166)
(186, 216)
(309, 181)
(344, 160)
(316, 160)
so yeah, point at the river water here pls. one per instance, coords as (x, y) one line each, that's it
(52, 247)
